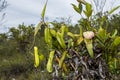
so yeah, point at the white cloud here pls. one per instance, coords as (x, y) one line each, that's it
(28, 11)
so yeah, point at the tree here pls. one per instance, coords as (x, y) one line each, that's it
(103, 5)
(23, 36)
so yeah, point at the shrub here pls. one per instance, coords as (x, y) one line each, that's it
(90, 54)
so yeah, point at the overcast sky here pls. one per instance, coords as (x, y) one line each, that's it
(29, 11)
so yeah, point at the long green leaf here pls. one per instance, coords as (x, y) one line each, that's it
(88, 11)
(102, 34)
(80, 7)
(76, 8)
(70, 34)
(114, 9)
(116, 41)
(115, 33)
(37, 28)
(79, 40)
(88, 7)
(81, 31)
(70, 43)
(44, 9)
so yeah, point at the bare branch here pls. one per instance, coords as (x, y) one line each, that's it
(99, 5)
(3, 5)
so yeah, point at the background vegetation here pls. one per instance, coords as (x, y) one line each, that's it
(16, 58)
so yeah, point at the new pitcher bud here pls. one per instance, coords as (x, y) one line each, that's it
(88, 34)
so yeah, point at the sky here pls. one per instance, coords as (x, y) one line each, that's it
(29, 12)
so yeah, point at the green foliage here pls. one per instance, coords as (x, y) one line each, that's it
(63, 51)
(113, 23)
(23, 36)
(90, 49)
(88, 11)
(78, 9)
(16, 58)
